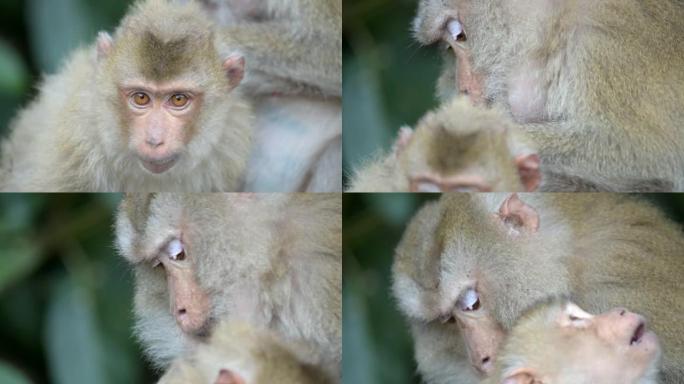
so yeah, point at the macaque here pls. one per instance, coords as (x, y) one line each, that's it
(468, 266)
(152, 108)
(272, 261)
(559, 343)
(596, 86)
(240, 354)
(294, 79)
(456, 148)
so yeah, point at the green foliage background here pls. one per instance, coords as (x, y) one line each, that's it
(65, 296)
(389, 79)
(377, 348)
(37, 35)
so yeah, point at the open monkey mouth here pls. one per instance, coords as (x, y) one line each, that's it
(638, 334)
(158, 166)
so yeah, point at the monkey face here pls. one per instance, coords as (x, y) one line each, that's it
(615, 346)
(161, 120)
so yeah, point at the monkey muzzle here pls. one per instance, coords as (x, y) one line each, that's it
(158, 166)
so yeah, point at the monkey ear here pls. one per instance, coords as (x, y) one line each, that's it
(403, 139)
(226, 376)
(521, 376)
(528, 169)
(517, 215)
(105, 44)
(234, 66)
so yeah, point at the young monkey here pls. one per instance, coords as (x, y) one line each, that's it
(151, 108)
(240, 354)
(559, 343)
(458, 147)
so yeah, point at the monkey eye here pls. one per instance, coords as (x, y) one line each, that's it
(576, 317)
(176, 250)
(456, 31)
(156, 263)
(469, 301)
(140, 99)
(179, 100)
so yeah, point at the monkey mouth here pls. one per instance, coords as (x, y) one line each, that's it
(158, 166)
(638, 334)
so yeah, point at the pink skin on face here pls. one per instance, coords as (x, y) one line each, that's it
(189, 303)
(482, 336)
(158, 128)
(469, 81)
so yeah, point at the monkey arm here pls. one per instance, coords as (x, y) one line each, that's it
(281, 60)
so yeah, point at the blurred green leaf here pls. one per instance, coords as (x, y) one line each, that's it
(359, 364)
(365, 130)
(72, 339)
(9, 375)
(18, 259)
(14, 74)
(56, 28)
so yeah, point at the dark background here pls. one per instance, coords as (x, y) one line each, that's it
(389, 79)
(376, 344)
(36, 36)
(65, 295)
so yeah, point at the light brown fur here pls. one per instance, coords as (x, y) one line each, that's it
(597, 86)
(545, 346)
(272, 261)
(255, 356)
(294, 78)
(74, 137)
(604, 250)
(455, 139)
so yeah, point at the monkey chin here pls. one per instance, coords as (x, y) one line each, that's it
(159, 166)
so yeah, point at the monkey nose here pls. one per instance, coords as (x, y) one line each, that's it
(484, 365)
(154, 142)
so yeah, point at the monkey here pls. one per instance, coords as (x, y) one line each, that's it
(458, 147)
(469, 265)
(240, 354)
(598, 93)
(272, 261)
(558, 342)
(153, 108)
(294, 80)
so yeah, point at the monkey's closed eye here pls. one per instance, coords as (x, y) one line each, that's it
(469, 301)
(448, 319)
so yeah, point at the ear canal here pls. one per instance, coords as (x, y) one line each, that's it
(517, 215)
(105, 44)
(528, 169)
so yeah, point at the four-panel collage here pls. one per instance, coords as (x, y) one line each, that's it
(342, 191)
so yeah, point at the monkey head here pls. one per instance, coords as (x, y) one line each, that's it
(558, 342)
(164, 79)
